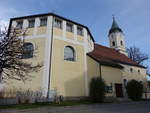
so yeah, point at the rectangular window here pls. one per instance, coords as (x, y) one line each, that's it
(19, 24)
(43, 21)
(58, 23)
(108, 89)
(131, 70)
(69, 27)
(31, 23)
(80, 31)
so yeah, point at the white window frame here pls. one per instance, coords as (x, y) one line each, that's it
(74, 54)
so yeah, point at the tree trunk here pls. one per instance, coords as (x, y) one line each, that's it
(1, 75)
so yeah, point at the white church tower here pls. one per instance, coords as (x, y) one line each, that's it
(116, 38)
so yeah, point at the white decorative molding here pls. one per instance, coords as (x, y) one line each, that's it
(25, 24)
(14, 24)
(37, 36)
(68, 40)
(85, 61)
(46, 72)
(75, 32)
(64, 29)
(37, 24)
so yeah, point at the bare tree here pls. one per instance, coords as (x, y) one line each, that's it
(136, 55)
(12, 66)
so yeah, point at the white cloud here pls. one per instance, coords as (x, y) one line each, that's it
(3, 24)
(148, 77)
(6, 14)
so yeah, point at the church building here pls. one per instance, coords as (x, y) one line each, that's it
(71, 58)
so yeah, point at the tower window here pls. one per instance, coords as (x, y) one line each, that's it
(58, 23)
(80, 31)
(31, 23)
(121, 42)
(69, 27)
(43, 21)
(113, 43)
(69, 53)
(19, 24)
(131, 70)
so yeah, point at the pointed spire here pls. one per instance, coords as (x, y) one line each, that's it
(114, 27)
(114, 24)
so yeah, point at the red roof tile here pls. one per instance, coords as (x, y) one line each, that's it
(109, 56)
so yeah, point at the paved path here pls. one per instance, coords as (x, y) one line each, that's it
(132, 107)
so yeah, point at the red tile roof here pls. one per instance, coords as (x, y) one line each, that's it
(109, 56)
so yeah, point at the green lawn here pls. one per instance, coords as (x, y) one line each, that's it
(36, 105)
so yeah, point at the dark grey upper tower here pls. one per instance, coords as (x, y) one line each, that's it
(116, 38)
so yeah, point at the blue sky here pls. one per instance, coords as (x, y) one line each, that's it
(133, 16)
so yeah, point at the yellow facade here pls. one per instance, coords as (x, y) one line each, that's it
(34, 83)
(67, 76)
(58, 32)
(30, 31)
(80, 38)
(139, 76)
(93, 69)
(69, 35)
(109, 74)
(41, 30)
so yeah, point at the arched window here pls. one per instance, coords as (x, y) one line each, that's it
(28, 50)
(121, 42)
(113, 43)
(69, 53)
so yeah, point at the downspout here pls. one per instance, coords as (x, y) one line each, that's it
(50, 61)
(100, 71)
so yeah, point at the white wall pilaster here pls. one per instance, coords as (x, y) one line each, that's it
(46, 72)
(64, 29)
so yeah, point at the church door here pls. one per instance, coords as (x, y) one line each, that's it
(119, 91)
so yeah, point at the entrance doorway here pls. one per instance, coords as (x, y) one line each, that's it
(119, 91)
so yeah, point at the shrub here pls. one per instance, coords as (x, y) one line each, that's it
(97, 89)
(134, 90)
